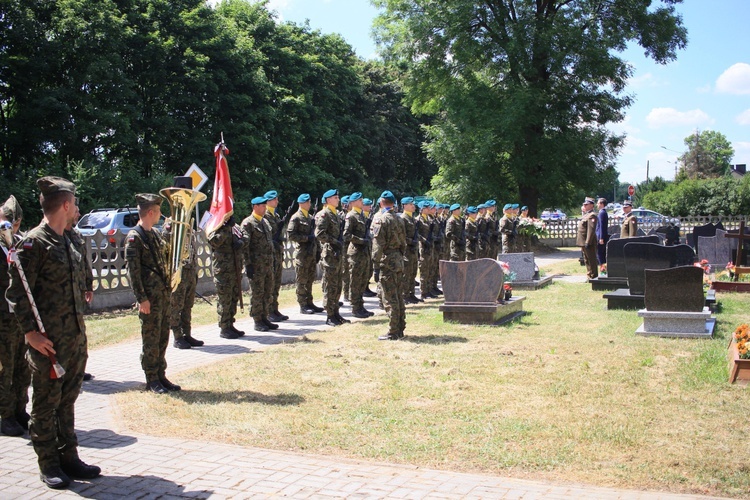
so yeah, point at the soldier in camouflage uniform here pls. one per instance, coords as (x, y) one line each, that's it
(483, 239)
(47, 258)
(277, 230)
(388, 247)
(426, 250)
(443, 214)
(345, 272)
(226, 261)
(455, 234)
(328, 233)
(259, 263)
(301, 232)
(183, 299)
(494, 232)
(147, 256)
(506, 229)
(367, 212)
(357, 242)
(15, 376)
(586, 237)
(411, 255)
(472, 238)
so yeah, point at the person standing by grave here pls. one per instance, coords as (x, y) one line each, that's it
(328, 233)
(455, 234)
(411, 255)
(586, 238)
(15, 376)
(426, 249)
(472, 236)
(494, 232)
(388, 246)
(277, 231)
(602, 234)
(226, 262)
(147, 257)
(629, 228)
(47, 258)
(259, 262)
(301, 232)
(483, 238)
(506, 229)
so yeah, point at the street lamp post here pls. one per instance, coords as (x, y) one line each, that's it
(675, 163)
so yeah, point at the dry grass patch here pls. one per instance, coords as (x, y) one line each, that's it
(567, 393)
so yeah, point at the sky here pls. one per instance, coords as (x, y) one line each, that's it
(706, 88)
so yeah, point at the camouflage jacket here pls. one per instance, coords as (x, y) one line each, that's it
(388, 241)
(472, 236)
(299, 230)
(410, 227)
(147, 257)
(277, 230)
(83, 272)
(259, 237)
(225, 258)
(327, 231)
(354, 232)
(506, 226)
(49, 261)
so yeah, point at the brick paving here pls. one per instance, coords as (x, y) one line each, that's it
(139, 466)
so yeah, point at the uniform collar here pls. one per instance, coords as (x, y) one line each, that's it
(332, 209)
(304, 212)
(357, 210)
(257, 217)
(408, 213)
(270, 210)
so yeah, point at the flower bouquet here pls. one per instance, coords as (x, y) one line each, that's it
(532, 227)
(742, 338)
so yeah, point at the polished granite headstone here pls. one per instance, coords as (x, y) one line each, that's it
(705, 231)
(616, 273)
(642, 256)
(717, 250)
(527, 273)
(675, 304)
(471, 289)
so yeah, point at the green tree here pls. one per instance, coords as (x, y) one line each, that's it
(708, 156)
(522, 90)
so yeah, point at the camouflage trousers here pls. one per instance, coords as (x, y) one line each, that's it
(305, 267)
(358, 277)
(278, 268)
(457, 252)
(155, 335)
(509, 244)
(228, 294)
(346, 276)
(425, 269)
(182, 301)
(391, 284)
(331, 282)
(411, 266)
(15, 376)
(435, 270)
(261, 286)
(52, 426)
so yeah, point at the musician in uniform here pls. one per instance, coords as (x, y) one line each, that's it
(259, 262)
(301, 232)
(328, 233)
(629, 228)
(388, 246)
(48, 260)
(277, 230)
(586, 238)
(147, 257)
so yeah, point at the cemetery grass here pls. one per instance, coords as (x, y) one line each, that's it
(568, 393)
(107, 328)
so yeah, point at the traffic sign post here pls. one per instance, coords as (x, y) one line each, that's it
(631, 191)
(199, 180)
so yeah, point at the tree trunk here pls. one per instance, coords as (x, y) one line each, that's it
(530, 198)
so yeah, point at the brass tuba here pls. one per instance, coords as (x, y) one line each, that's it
(182, 201)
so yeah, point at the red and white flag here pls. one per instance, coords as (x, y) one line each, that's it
(222, 204)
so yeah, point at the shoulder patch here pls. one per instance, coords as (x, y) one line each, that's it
(131, 239)
(28, 244)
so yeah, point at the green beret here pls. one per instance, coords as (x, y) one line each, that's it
(50, 185)
(145, 200)
(12, 209)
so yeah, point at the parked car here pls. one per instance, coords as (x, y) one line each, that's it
(109, 221)
(555, 215)
(646, 216)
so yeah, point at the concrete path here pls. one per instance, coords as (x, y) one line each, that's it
(140, 466)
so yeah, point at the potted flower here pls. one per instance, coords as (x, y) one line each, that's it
(508, 277)
(738, 355)
(603, 270)
(507, 291)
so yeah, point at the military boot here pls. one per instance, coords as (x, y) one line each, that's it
(75, 467)
(333, 321)
(306, 310)
(23, 419)
(156, 386)
(192, 341)
(239, 333)
(360, 313)
(182, 343)
(409, 300)
(389, 336)
(10, 427)
(342, 319)
(271, 326)
(369, 293)
(168, 385)
(315, 308)
(54, 477)
(415, 298)
(260, 325)
(277, 316)
(228, 333)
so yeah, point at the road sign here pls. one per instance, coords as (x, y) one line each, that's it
(631, 190)
(199, 177)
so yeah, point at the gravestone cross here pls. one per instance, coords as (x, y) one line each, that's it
(741, 237)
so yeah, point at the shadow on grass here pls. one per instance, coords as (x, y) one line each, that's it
(434, 339)
(213, 397)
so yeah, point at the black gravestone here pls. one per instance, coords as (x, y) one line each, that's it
(675, 289)
(642, 256)
(706, 231)
(616, 258)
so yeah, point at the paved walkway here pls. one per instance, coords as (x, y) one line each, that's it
(140, 466)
